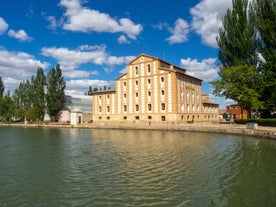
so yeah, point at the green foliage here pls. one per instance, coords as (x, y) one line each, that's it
(260, 122)
(39, 93)
(239, 83)
(19, 114)
(6, 108)
(33, 114)
(265, 20)
(247, 55)
(2, 88)
(55, 95)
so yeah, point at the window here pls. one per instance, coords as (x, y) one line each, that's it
(163, 106)
(163, 118)
(149, 117)
(124, 95)
(137, 117)
(108, 118)
(162, 79)
(100, 109)
(148, 68)
(148, 81)
(108, 108)
(162, 92)
(136, 70)
(149, 107)
(125, 108)
(137, 107)
(125, 118)
(136, 82)
(136, 94)
(100, 97)
(149, 93)
(107, 97)
(124, 84)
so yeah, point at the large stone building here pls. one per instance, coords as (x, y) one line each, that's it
(154, 90)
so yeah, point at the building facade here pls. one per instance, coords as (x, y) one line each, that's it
(154, 90)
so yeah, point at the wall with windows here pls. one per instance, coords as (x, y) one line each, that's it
(151, 90)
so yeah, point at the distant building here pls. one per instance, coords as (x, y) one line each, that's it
(77, 107)
(154, 90)
(236, 112)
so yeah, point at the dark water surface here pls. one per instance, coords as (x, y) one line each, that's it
(97, 167)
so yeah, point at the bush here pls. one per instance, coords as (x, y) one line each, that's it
(260, 122)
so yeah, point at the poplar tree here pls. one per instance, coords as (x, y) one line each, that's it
(2, 88)
(264, 12)
(55, 96)
(39, 93)
(238, 58)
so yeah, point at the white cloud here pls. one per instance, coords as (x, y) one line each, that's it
(179, 33)
(16, 66)
(123, 40)
(3, 26)
(83, 19)
(205, 70)
(207, 18)
(20, 35)
(54, 23)
(69, 59)
(123, 71)
(80, 86)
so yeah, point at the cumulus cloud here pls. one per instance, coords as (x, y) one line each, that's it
(123, 40)
(207, 18)
(179, 32)
(205, 69)
(71, 59)
(17, 66)
(83, 19)
(20, 35)
(3, 26)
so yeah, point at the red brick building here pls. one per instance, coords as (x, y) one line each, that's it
(236, 112)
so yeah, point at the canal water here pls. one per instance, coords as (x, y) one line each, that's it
(100, 167)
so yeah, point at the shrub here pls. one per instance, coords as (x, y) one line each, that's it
(260, 122)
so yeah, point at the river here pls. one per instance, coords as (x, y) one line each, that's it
(103, 167)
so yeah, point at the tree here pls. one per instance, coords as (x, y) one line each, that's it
(55, 95)
(264, 13)
(7, 107)
(2, 88)
(238, 57)
(240, 87)
(39, 93)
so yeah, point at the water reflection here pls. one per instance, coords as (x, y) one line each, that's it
(74, 167)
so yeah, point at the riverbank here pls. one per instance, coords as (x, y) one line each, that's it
(226, 128)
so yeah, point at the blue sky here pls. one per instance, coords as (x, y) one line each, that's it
(93, 40)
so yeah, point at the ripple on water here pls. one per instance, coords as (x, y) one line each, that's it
(72, 167)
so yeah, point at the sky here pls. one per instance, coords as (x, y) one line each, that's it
(94, 40)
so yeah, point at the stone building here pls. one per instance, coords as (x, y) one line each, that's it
(154, 90)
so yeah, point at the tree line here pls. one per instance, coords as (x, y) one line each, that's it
(34, 97)
(247, 56)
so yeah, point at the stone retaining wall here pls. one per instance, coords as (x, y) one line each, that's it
(266, 132)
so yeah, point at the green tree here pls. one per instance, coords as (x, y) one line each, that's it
(55, 95)
(33, 114)
(2, 88)
(239, 87)
(238, 57)
(264, 12)
(39, 93)
(7, 108)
